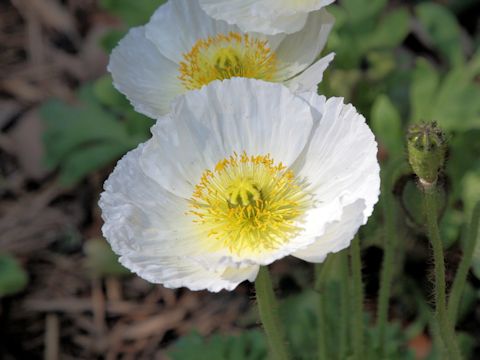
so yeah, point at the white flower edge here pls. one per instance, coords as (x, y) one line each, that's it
(145, 64)
(269, 17)
(145, 198)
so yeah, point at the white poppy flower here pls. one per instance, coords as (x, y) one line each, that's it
(265, 16)
(241, 173)
(182, 49)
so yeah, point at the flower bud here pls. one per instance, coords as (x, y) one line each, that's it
(426, 151)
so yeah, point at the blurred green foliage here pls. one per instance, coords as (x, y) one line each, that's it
(363, 27)
(250, 345)
(13, 278)
(87, 136)
(133, 13)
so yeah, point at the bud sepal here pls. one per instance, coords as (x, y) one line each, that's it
(427, 149)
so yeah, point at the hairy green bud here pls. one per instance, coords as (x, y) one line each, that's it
(426, 147)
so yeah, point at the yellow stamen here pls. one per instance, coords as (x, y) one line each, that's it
(226, 56)
(249, 204)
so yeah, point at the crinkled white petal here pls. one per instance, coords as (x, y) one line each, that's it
(337, 235)
(264, 16)
(146, 225)
(311, 77)
(143, 74)
(299, 50)
(225, 117)
(340, 161)
(176, 272)
(145, 203)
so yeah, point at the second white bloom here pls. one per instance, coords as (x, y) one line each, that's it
(265, 16)
(183, 49)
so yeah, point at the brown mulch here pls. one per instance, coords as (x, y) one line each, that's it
(47, 49)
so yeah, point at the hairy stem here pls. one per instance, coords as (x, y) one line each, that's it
(344, 301)
(268, 308)
(447, 332)
(357, 298)
(386, 277)
(321, 272)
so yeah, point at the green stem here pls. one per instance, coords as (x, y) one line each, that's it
(464, 266)
(357, 296)
(446, 330)
(344, 301)
(268, 308)
(322, 328)
(321, 272)
(386, 277)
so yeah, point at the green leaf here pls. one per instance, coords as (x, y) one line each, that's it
(12, 276)
(423, 91)
(443, 29)
(380, 65)
(137, 125)
(361, 10)
(132, 12)
(101, 260)
(69, 127)
(391, 31)
(387, 125)
(361, 28)
(82, 138)
(452, 102)
(107, 95)
(83, 161)
(457, 106)
(249, 345)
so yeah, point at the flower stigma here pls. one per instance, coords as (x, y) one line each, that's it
(225, 56)
(249, 204)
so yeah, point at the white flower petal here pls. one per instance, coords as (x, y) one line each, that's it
(148, 218)
(225, 117)
(146, 225)
(145, 65)
(337, 236)
(177, 25)
(176, 272)
(134, 205)
(341, 158)
(310, 78)
(264, 16)
(299, 50)
(143, 74)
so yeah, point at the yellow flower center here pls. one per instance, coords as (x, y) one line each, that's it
(249, 204)
(226, 56)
